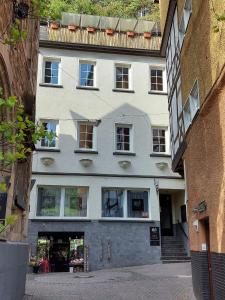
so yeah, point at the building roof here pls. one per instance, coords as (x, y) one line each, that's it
(99, 38)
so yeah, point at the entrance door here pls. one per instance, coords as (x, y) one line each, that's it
(166, 215)
(207, 237)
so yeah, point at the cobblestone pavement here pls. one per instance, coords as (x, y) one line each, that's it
(151, 282)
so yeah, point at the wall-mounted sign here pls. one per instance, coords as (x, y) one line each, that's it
(202, 207)
(154, 236)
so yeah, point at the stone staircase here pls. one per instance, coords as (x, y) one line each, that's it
(173, 250)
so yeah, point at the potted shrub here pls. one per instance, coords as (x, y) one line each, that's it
(34, 263)
(147, 35)
(109, 31)
(54, 25)
(130, 33)
(72, 27)
(90, 29)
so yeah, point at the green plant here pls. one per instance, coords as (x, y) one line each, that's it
(9, 221)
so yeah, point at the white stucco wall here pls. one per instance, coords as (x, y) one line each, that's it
(68, 105)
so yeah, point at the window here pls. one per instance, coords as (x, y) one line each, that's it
(194, 99)
(50, 126)
(48, 201)
(112, 202)
(87, 136)
(62, 201)
(187, 115)
(137, 204)
(87, 76)
(157, 79)
(159, 140)
(51, 71)
(75, 204)
(123, 203)
(143, 12)
(122, 77)
(123, 137)
(185, 20)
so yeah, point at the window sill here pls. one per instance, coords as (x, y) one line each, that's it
(124, 153)
(47, 150)
(58, 219)
(123, 91)
(159, 155)
(59, 86)
(158, 93)
(86, 151)
(89, 88)
(144, 220)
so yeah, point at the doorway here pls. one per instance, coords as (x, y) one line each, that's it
(166, 221)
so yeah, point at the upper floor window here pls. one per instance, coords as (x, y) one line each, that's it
(50, 126)
(122, 77)
(185, 20)
(87, 136)
(123, 137)
(56, 201)
(157, 77)
(51, 71)
(87, 74)
(159, 140)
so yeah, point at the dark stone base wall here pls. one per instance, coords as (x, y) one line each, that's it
(129, 241)
(218, 275)
(200, 277)
(13, 266)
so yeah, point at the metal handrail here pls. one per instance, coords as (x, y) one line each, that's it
(182, 229)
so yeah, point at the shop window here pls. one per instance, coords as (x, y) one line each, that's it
(48, 201)
(112, 202)
(137, 204)
(75, 204)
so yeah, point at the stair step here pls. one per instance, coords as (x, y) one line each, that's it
(174, 257)
(168, 253)
(175, 261)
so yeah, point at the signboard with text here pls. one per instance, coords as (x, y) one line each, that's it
(154, 236)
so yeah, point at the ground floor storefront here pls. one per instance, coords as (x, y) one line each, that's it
(155, 282)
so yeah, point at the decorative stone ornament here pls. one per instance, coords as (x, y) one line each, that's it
(47, 161)
(124, 164)
(86, 162)
(162, 165)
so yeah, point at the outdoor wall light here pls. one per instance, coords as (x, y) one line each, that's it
(162, 165)
(124, 164)
(86, 162)
(47, 161)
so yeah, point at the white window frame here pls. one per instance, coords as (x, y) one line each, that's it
(91, 62)
(187, 11)
(125, 206)
(167, 139)
(125, 65)
(94, 140)
(163, 69)
(131, 127)
(187, 114)
(51, 59)
(57, 134)
(62, 202)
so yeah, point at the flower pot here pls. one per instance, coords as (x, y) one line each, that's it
(72, 27)
(90, 29)
(109, 31)
(130, 34)
(54, 25)
(147, 35)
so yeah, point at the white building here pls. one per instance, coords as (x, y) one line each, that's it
(102, 179)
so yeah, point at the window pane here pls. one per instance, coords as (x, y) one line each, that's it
(119, 85)
(48, 201)
(86, 74)
(112, 203)
(75, 202)
(49, 127)
(86, 136)
(137, 204)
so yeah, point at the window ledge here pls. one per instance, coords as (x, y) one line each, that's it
(159, 155)
(124, 153)
(54, 219)
(59, 86)
(127, 220)
(157, 93)
(123, 91)
(86, 151)
(89, 88)
(47, 150)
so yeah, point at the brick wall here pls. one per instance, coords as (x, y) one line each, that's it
(218, 275)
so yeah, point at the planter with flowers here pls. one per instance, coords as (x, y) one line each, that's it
(130, 33)
(109, 31)
(54, 25)
(72, 27)
(147, 35)
(90, 29)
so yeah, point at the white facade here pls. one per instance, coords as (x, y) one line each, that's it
(69, 106)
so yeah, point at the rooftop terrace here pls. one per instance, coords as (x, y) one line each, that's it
(124, 33)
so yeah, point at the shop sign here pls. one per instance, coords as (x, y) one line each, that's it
(154, 236)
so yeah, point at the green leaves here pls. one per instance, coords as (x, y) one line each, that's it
(3, 187)
(9, 221)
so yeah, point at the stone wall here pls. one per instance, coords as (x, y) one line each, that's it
(129, 241)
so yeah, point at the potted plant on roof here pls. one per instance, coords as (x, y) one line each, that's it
(109, 31)
(90, 29)
(54, 25)
(147, 34)
(72, 27)
(130, 33)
